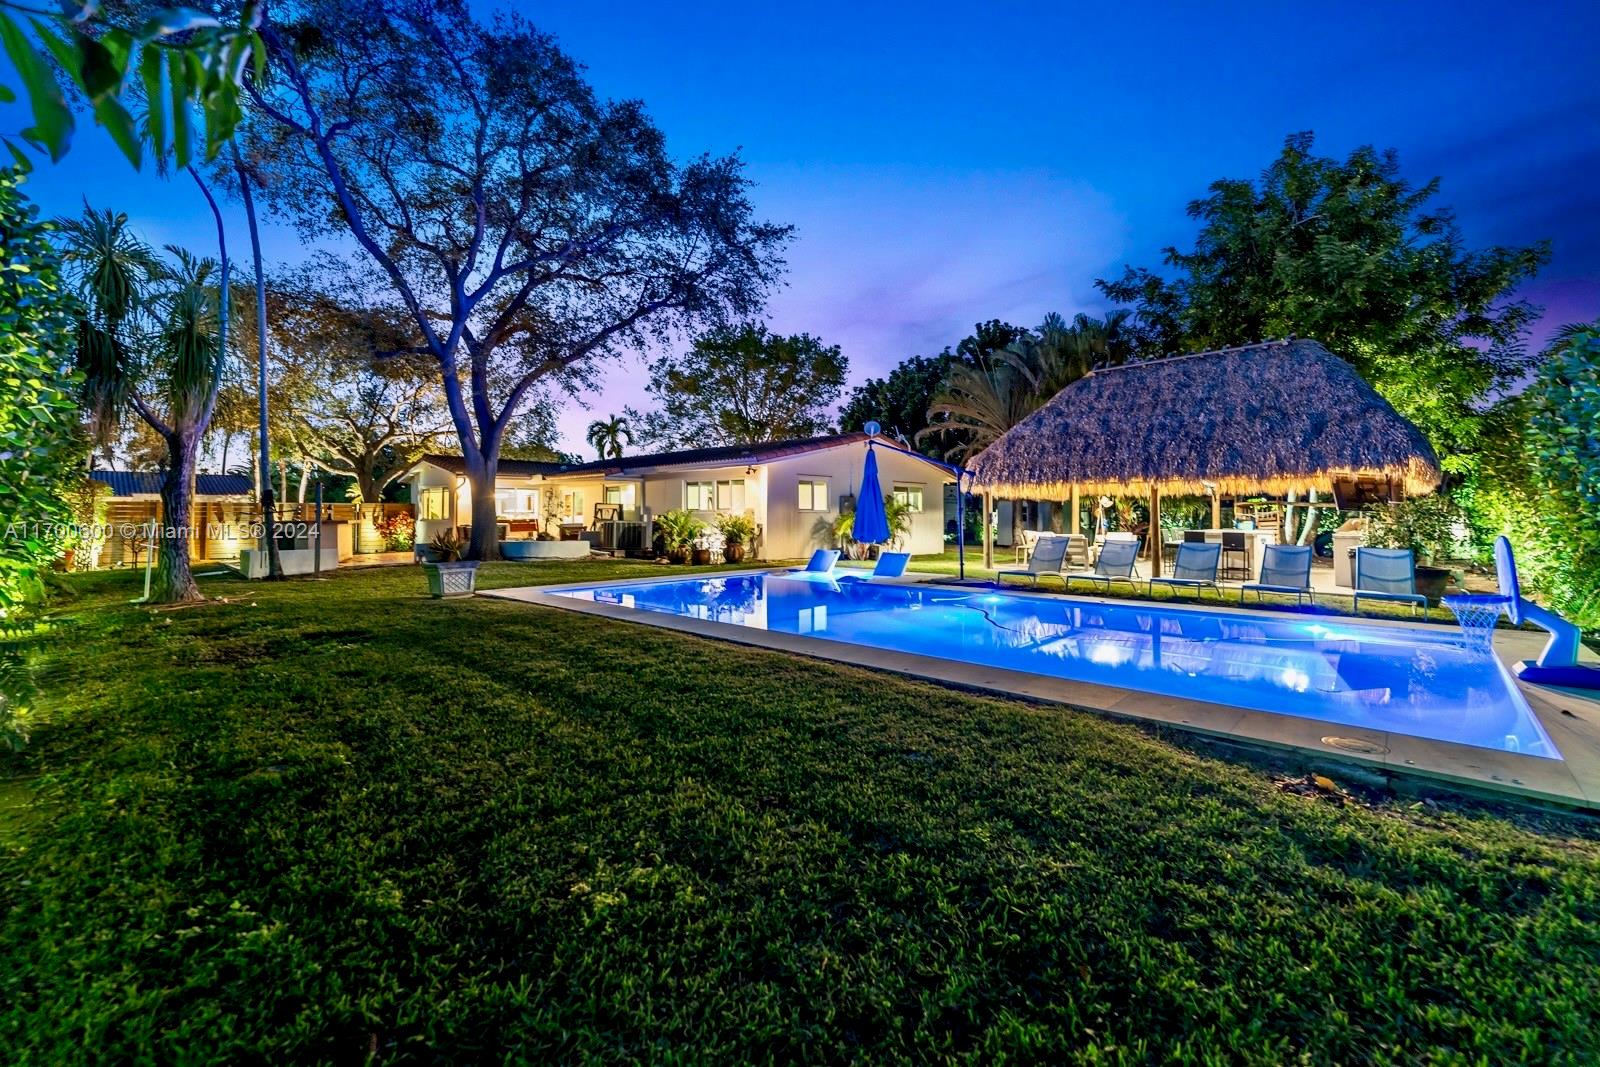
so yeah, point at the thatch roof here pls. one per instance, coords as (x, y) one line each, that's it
(1267, 418)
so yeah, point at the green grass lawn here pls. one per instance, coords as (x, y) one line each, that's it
(334, 820)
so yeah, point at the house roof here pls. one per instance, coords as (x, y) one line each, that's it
(148, 483)
(716, 456)
(458, 465)
(1274, 417)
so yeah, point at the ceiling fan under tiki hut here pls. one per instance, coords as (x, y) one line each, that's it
(1273, 418)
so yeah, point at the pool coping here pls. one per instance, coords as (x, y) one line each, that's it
(1570, 719)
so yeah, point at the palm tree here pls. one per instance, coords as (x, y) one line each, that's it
(607, 435)
(150, 340)
(979, 404)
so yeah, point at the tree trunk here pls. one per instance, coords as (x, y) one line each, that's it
(174, 581)
(269, 512)
(227, 440)
(283, 480)
(1309, 533)
(481, 471)
(305, 478)
(485, 543)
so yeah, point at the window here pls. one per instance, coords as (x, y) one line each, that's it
(813, 494)
(435, 504)
(699, 496)
(730, 495)
(908, 496)
(513, 502)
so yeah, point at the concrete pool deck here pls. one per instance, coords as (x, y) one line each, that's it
(1570, 718)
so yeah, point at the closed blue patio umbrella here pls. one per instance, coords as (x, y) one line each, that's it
(871, 525)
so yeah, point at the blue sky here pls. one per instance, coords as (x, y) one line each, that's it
(947, 162)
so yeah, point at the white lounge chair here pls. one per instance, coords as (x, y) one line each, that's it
(1047, 559)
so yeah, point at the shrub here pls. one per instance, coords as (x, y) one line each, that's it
(1564, 442)
(398, 530)
(1426, 525)
(736, 529)
(678, 529)
(40, 452)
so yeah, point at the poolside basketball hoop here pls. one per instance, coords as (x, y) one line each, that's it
(1478, 613)
(1558, 662)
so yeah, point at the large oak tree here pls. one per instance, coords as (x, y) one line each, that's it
(523, 225)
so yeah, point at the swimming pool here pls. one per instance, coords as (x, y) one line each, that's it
(1406, 680)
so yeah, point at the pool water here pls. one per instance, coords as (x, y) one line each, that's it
(1418, 682)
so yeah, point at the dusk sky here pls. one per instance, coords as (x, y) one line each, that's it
(945, 163)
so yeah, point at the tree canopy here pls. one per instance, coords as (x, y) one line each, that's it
(901, 400)
(1349, 253)
(522, 225)
(744, 385)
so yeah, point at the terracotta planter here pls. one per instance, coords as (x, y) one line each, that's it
(733, 552)
(677, 555)
(702, 557)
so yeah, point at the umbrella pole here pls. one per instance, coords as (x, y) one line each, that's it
(961, 533)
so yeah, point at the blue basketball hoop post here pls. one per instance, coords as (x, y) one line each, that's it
(1557, 664)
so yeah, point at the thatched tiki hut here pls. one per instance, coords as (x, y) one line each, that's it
(1279, 417)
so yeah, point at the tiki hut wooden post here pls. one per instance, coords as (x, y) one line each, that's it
(1073, 503)
(1268, 418)
(1155, 531)
(988, 532)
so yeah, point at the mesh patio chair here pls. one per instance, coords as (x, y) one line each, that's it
(1047, 559)
(1194, 568)
(1388, 574)
(1285, 569)
(1118, 562)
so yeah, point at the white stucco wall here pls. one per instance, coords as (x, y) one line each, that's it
(792, 533)
(771, 495)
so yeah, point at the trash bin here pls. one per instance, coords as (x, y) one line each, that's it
(1344, 559)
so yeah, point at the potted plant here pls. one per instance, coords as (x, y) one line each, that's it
(737, 531)
(898, 515)
(449, 574)
(1425, 525)
(844, 533)
(700, 553)
(678, 530)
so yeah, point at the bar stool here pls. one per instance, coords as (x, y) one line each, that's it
(1235, 556)
(1194, 537)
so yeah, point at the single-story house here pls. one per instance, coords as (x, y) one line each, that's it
(793, 489)
(223, 515)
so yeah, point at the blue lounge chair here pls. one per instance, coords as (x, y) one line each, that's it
(1285, 569)
(1118, 562)
(822, 561)
(1049, 553)
(891, 564)
(1195, 567)
(1388, 574)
